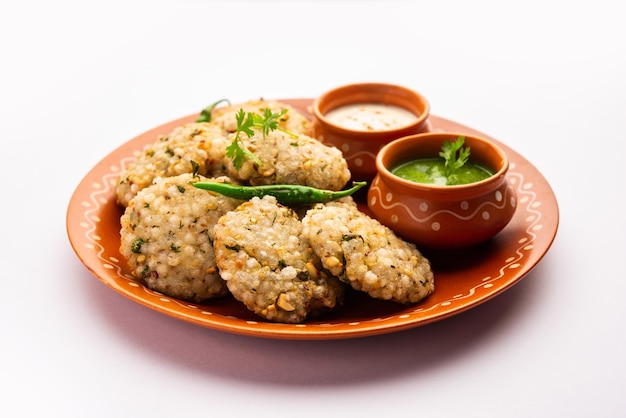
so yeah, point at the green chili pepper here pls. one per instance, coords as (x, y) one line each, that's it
(286, 194)
(205, 114)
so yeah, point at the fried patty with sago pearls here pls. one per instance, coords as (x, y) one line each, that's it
(292, 121)
(197, 147)
(192, 147)
(286, 159)
(167, 237)
(366, 254)
(269, 266)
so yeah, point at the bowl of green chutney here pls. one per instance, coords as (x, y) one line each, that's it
(442, 190)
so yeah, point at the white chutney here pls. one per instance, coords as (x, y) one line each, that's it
(371, 117)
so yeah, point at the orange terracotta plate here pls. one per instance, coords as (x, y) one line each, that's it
(463, 279)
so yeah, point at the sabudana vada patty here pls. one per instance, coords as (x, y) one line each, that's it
(366, 254)
(192, 147)
(293, 121)
(286, 159)
(167, 237)
(269, 266)
(197, 147)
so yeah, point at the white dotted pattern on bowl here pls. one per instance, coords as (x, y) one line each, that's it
(498, 202)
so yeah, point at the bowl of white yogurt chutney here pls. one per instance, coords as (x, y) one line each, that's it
(361, 118)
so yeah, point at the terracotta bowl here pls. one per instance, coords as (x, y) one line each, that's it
(360, 146)
(441, 216)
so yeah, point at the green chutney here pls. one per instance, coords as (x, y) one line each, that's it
(432, 171)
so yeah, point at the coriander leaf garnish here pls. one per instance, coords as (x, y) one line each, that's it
(247, 122)
(205, 114)
(454, 154)
(237, 150)
(269, 120)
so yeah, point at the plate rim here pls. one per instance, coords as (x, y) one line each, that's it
(109, 273)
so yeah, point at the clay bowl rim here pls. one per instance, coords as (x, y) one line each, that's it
(437, 189)
(345, 94)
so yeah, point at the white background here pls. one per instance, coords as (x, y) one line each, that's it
(78, 79)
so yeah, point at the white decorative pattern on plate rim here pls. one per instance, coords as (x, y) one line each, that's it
(94, 201)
